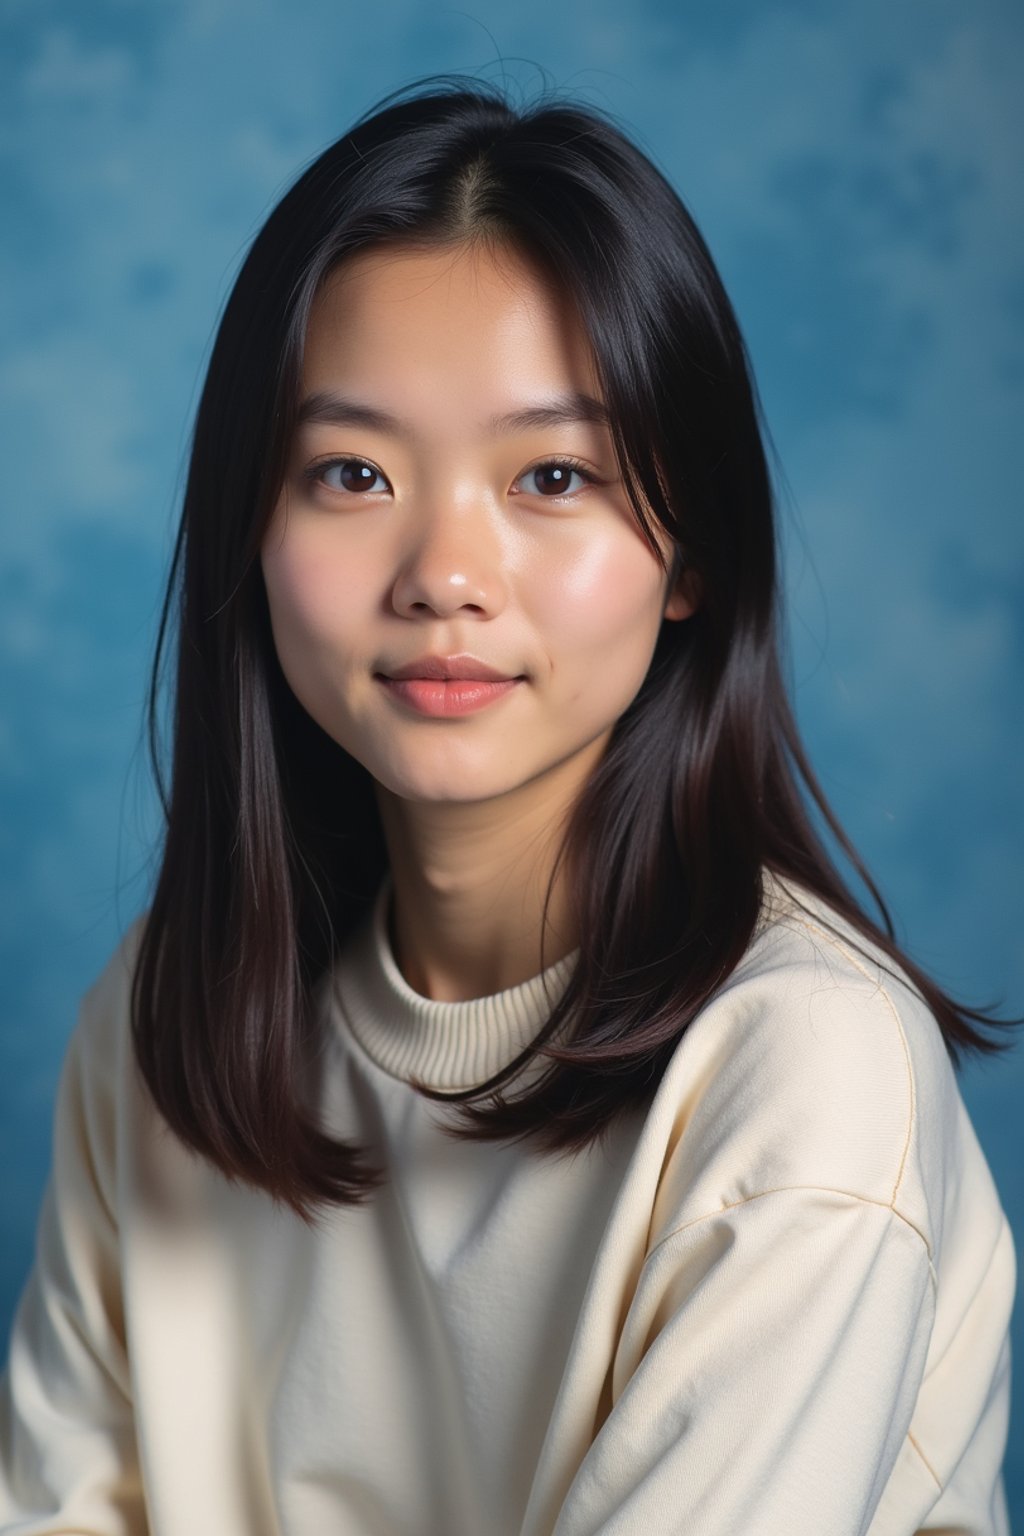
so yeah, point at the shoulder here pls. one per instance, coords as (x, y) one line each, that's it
(98, 1072)
(816, 1065)
(104, 1019)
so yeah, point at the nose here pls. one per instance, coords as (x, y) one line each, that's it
(452, 559)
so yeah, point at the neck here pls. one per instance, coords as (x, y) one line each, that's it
(469, 882)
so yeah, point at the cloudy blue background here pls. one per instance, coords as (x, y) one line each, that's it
(857, 172)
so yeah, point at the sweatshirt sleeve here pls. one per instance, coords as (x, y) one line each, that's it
(68, 1457)
(766, 1375)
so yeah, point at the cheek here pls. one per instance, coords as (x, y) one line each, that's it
(311, 620)
(603, 605)
(308, 594)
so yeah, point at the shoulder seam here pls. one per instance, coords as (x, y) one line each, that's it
(790, 1188)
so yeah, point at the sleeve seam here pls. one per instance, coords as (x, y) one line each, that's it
(789, 1188)
(1004, 1231)
(924, 1458)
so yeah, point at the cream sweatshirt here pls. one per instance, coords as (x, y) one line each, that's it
(773, 1303)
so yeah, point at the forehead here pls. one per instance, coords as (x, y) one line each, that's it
(471, 308)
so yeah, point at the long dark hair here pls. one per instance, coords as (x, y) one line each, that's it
(273, 845)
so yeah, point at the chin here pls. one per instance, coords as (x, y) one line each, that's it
(447, 786)
(465, 793)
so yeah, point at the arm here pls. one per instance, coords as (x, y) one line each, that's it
(67, 1441)
(766, 1375)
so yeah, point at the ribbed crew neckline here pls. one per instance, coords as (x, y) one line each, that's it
(447, 1045)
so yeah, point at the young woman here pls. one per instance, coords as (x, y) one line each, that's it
(504, 1119)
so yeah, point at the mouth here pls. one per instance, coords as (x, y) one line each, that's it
(443, 698)
(460, 667)
(462, 677)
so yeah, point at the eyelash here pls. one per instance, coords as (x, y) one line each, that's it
(315, 473)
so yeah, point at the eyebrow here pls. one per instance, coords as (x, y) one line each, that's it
(333, 410)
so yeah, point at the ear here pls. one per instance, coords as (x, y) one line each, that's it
(684, 595)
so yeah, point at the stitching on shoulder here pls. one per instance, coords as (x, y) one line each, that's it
(834, 940)
(825, 1189)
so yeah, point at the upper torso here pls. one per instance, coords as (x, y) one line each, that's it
(493, 1343)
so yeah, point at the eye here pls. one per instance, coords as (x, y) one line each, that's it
(351, 475)
(551, 478)
(555, 476)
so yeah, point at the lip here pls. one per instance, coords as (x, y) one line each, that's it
(463, 667)
(444, 698)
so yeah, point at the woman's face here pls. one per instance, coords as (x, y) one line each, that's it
(439, 533)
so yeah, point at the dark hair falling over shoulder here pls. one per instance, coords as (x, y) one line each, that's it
(273, 844)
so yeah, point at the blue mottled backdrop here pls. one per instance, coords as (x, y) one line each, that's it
(857, 171)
